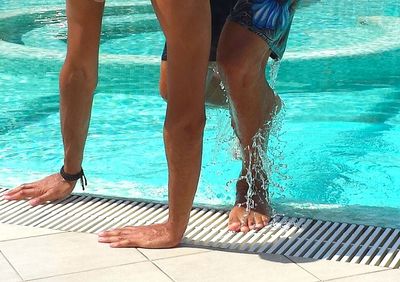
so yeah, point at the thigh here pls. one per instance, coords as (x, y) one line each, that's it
(84, 27)
(242, 47)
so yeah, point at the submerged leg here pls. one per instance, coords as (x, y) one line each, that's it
(242, 59)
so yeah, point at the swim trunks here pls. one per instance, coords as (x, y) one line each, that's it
(269, 19)
(220, 11)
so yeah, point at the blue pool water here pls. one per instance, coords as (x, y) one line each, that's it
(339, 154)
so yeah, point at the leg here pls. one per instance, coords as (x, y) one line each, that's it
(242, 58)
(78, 81)
(215, 94)
(186, 24)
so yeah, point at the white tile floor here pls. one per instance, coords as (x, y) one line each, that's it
(34, 254)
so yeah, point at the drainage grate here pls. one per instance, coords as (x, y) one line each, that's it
(289, 236)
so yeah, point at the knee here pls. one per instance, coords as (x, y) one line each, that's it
(188, 127)
(78, 76)
(239, 71)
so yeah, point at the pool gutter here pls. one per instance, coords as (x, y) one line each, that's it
(289, 236)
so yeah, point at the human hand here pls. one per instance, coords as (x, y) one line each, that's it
(151, 236)
(50, 188)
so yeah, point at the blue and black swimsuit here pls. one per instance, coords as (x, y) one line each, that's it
(269, 19)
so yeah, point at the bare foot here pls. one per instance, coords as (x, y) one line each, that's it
(50, 188)
(243, 220)
(151, 236)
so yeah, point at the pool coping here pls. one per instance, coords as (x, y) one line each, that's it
(287, 236)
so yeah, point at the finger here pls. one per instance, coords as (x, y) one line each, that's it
(121, 244)
(23, 194)
(130, 230)
(18, 189)
(115, 232)
(48, 196)
(111, 239)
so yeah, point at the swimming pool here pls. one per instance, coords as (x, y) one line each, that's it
(340, 80)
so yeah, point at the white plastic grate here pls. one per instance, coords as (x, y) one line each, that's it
(289, 236)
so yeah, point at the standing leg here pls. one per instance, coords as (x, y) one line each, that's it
(242, 58)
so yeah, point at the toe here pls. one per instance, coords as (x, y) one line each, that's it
(234, 222)
(251, 223)
(234, 226)
(244, 229)
(259, 221)
(265, 220)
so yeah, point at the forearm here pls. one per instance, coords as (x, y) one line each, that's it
(76, 96)
(184, 149)
(78, 78)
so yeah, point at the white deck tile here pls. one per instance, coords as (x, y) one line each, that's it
(143, 271)
(12, 232)
(57, 254)
(232, 267)
(7, 273)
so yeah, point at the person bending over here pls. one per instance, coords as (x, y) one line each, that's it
(254, 31)
(243, 39)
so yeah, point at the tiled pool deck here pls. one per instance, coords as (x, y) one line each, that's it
(38, 254)
(47, 243)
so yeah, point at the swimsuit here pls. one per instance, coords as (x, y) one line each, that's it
(269, 19)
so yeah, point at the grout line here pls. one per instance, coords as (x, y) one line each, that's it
(356, 275)
(166, 274)
(200, 251)
(86, 270)
(12, 266)
(34, 236)
(192, 254)
(309, 272)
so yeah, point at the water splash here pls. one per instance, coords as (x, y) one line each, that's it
(265, 165)
(273, 73)
(265, 159)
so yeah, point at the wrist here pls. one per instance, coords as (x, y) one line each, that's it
(74, 177)
(72, 167)
(177, 226)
